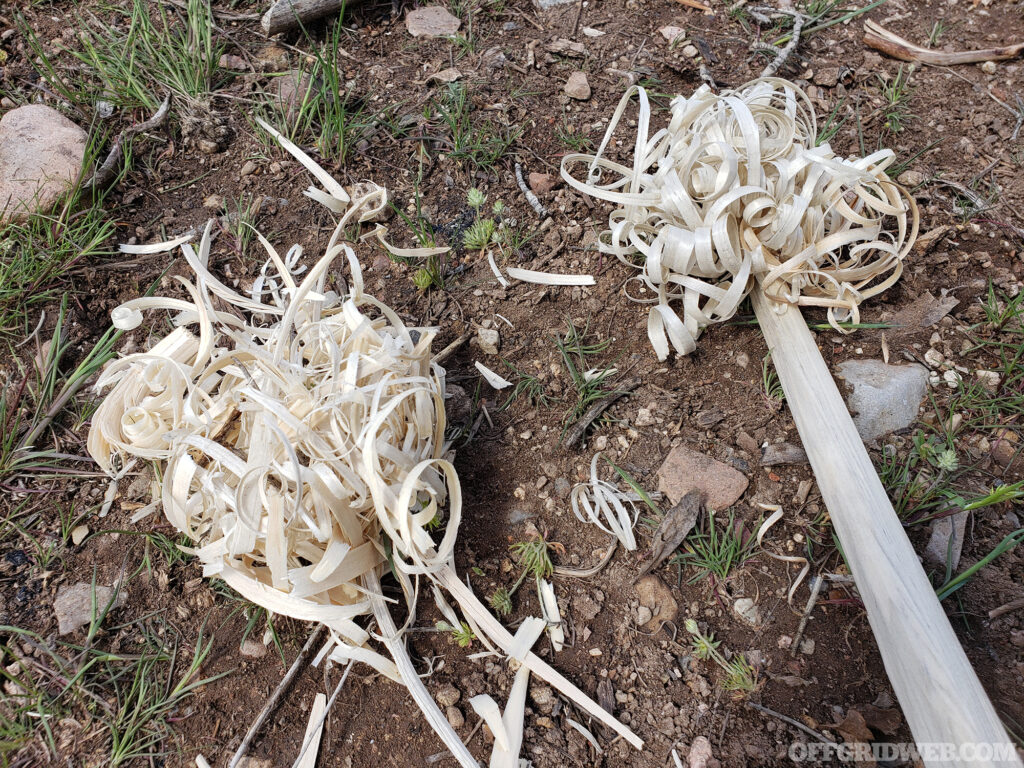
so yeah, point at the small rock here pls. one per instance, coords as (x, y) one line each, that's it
(690, 51)
(827, 77)
(543, 698)
(542, 183)
(432, 21)
(489, 339)
(885, 397)
(545, 5)
(989, 380)
(706, 419)
(911, 179)
(447, 695)
(494, 58)
(783, 453)
(1004, 447)
(41, 154)
(591, 32)
(643, 614)
(672, 33)
(230, 61)
(455, 717)
(600, 443)
(73, 605)
(947, 540)
(78, 534)
(253, 649)
(742, 359)
(449, 75)
(248, 168)
(272, 57)
(644, 418)
(748, 611)
(577, 87)
(255, 762)
(562, 488)
(807, 647)
(700, 753)
(989, 67)
(214, 202)
(720, 485)
(747, 443)
(208, 146)
(654, 595)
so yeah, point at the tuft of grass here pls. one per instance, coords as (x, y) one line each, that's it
(526, 386)
(715, 552)
(479, 142)
(740, 676)
(571, 137)
(828, 129)
(534, 557)
(771, 388)
(896, 92)
(955, 583)
(590, 384)
(145, 51)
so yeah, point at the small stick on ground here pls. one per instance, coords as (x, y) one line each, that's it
(795, 723)
(1014, 605)
(108, 170)
(815, 590)
(575, 433)
(530, 197)
(878, 37)
(275, 697)
(760, 15)
(586, 573)
(451, 349)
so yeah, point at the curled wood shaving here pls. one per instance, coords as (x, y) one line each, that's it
(773, 518)
(496, 381)
(601, 503)
(300, 437)
(548, 278)
(735, 189)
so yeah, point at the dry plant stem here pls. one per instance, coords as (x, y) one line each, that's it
(108, 170)
(441, 357)
(575, 433)
(794, 40)
(503, 639)
(811, 601)
(286, 14)
(586, 573)
(938, 690)
(275, 697)
(789, 720)
(1015, 605)
(396, 647)
(530, 197)
(878, 37)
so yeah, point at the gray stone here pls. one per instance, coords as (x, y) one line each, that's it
(455, 717)
(489, 339)
(947, 540)
(683, 470)
(885, 398)
(577, 87)
(253, 649)
(543, 698)
(546, 5)
(747, 610)
(432, 21)
(74, 605)
(783, 453)
(562, 488)
(41, 154)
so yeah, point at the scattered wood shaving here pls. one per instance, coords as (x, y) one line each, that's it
(497, 273)
(735, 189)
(492, 378)
(601, 503)
(547, 278)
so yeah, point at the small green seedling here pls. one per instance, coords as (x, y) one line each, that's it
(462, 634)
(535, 558)
(740, 674)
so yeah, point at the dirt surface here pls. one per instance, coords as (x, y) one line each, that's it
(514, 471)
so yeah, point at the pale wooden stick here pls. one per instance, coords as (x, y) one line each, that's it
(938, 690)
(285, 14)
(880, 38)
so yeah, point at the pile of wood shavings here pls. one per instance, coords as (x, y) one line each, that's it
(737, 190)
(301, 445)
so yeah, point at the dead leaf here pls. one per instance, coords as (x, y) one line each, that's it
(854, 729)
(673, 529)
(449, 75)
(885, 721)
(562, 47)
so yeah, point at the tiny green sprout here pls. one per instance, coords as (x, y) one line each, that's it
(462, 634)
(740, 675)
(422, 279)
(501, 601)
(476, 199)
(499, 208)
(479, 234)
(946, 460)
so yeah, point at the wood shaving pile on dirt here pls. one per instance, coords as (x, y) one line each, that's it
(737, 189)
(300, 443)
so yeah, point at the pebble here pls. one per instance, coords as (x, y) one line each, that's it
(989, 67)
(562, 488)
(489, 340)
(782, 453)
(432, 21)
(455, 717)
(448, 695)
(248, 168)
(253, 649)
(79, 533)
(911, 179)
(600, 443)
(690, 51)
(41, 154)
(543, 697)
(644, 418)
(214, 202)
(672, 33)
(807, 647)
(643, 614)
(73, 605)
(543, 183)
(577, 87)
(746, 609)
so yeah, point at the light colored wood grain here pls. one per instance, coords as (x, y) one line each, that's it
(285, 14)
(938, 690)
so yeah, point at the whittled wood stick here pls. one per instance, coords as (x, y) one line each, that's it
(285, 14)
(878, 37)
(937, 688)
